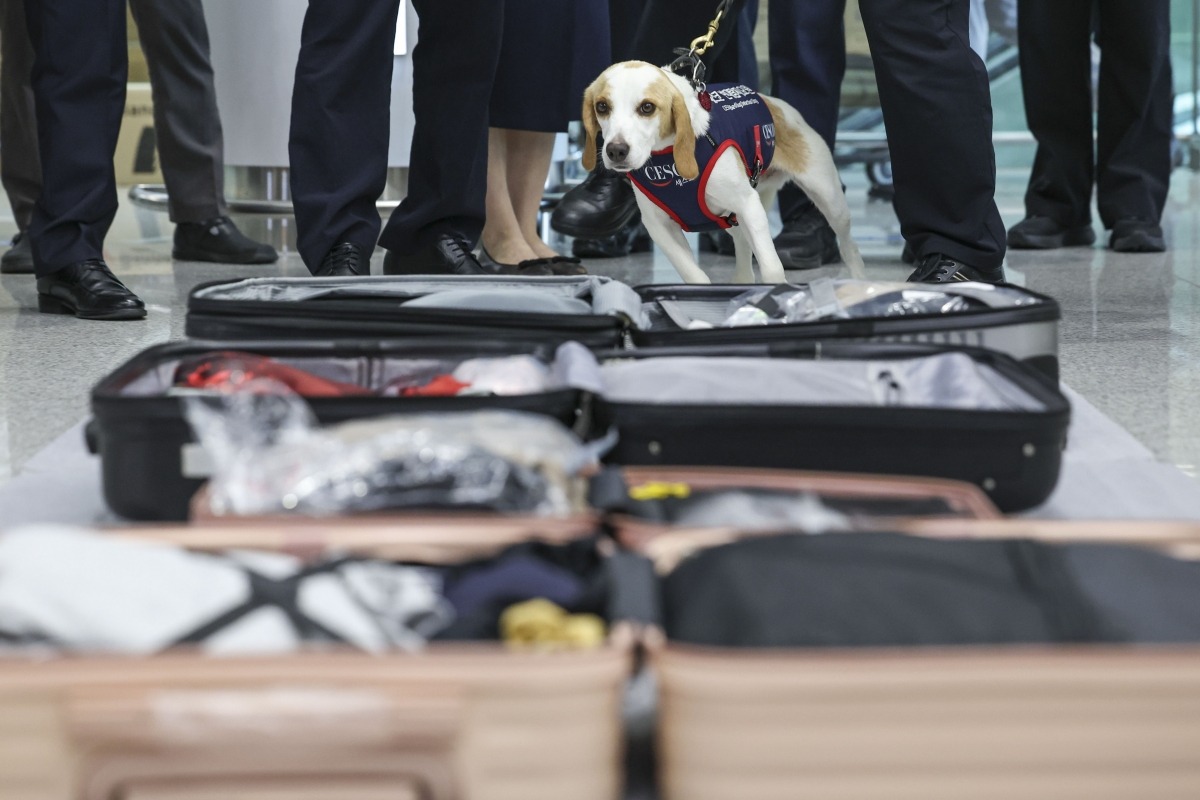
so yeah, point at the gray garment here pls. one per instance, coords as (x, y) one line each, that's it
(174, 38)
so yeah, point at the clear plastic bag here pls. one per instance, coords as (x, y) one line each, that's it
(826, 298)
(271, 458)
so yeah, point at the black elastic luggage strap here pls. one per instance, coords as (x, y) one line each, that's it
(634, 589)
(279, 593)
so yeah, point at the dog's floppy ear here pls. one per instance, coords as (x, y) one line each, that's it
(685, 139)
(591, 126)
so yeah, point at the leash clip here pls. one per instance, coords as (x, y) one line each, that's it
(689, 66)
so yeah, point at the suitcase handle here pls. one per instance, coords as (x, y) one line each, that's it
(91, 437)
(167, 737)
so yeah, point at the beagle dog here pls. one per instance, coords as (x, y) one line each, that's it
(655, 125)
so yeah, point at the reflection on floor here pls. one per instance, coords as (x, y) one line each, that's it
(1130, 338)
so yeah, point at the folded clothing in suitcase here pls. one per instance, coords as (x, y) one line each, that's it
(293, 699)
(1008, 319)
(152, 465)
(884, 666)
(594, 310)
(965, 414)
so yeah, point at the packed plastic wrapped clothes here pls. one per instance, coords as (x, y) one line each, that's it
(226, 371)
(270, 457)
(72, 589)
(828, 299)
(66, 589)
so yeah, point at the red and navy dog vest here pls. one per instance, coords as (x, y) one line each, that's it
(739, 119)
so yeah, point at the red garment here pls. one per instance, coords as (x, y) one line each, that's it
(232, 371)
(441, 386)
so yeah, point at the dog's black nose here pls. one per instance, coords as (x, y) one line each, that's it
(616, 151)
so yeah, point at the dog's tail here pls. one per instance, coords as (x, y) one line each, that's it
(803, 154)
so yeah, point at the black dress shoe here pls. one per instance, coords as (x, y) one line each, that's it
(88, 290)
(19, 258)
(633, 238)
(599, 207)
(344, 260)
(448, 255)
(939, 268)
(1134, 235)
(807, 241)
(218, 240)
(1043, 233)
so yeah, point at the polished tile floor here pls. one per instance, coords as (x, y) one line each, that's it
(1130, 338)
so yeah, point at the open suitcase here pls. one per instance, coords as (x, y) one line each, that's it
(454, 720)
(600, 312)
(152, 465)
(958, 413)
(924, 410)
(1021, 323)
(593, 310)
(1040, 721)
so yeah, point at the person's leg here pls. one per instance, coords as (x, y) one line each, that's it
(1133, 160)
(20, 165)
(453, 63)
(936, 103)
(529, 155)
(518, 163)
(79, 77)
(340, 124)
(501, 238)
(670, 24)
(187, 125)
(808, 62)
(1054, 40)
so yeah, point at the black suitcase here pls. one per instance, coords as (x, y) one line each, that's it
(1023, 324)
(593, 310)
(151, 465)
(604, 313)
(961, 413)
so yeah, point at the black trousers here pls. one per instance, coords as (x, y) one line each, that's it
(937, 109)
(174, 37)
(1130, 164)
(79, 73)
(340, 123)
(668, 24)
(808, 62)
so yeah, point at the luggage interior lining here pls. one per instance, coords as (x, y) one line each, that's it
(947, 380)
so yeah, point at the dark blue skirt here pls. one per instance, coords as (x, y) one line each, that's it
(551, 51)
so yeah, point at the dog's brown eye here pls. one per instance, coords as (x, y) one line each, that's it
(602, 107)
(646, 108)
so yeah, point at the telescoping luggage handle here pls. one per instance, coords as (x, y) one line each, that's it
(148, 744)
